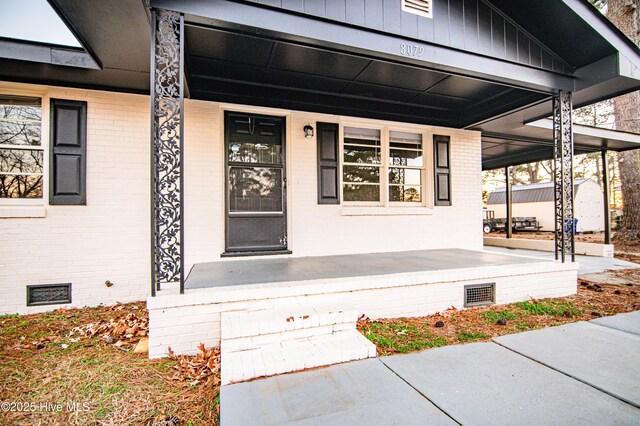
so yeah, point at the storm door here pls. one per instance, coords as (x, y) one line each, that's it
(256, 183)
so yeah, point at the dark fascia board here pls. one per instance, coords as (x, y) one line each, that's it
(543, 153)
(628, 57)
(25, 50)
(284, 25)
(605, 28)
(87, 48)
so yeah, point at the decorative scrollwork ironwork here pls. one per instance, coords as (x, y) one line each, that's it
(563, 175)
(167, 139)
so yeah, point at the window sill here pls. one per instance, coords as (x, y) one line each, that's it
(386, 211)
(16, 211)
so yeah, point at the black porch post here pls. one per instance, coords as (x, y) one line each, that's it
(563, 175)
(507, 175)
(167, 111)
(605, 186)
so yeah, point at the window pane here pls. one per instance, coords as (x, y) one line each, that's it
(361, 154)
(12, 186)
(405, 140)
(20, 161)
(255, 153)
(255, 189)
(361, 192)
(405, 176)
(405, 193)
(362, 134)
(19, 133)
(399, 157)
(363, 174)
(369, 152)
(20, 107)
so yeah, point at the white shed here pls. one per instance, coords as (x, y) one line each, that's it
(537, 200)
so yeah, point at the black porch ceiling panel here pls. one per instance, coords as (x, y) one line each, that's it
(234, 67)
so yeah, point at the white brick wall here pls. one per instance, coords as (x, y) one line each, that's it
(108, 239)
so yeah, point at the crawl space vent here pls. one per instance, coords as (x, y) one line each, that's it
(48, 294)
(479, 294)
(418, 7)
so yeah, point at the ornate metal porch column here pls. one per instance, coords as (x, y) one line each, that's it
(563, 175)
(167, 105)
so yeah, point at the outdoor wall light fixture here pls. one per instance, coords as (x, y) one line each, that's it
(308, 131)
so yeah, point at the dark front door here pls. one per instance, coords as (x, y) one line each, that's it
(255, 173)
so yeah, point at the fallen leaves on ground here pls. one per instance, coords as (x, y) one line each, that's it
(205, 365)
(126, 330)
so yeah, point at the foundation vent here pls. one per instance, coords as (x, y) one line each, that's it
(48, 294)
(418, 7)
(479, 294)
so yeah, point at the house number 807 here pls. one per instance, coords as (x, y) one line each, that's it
(411, 50)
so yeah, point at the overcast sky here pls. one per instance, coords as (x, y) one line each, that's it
(33, 20)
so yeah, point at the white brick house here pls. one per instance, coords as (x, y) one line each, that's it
(345, 143)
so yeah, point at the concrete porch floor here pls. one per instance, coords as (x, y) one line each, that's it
(292, 269)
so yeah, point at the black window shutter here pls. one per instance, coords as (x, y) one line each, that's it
(328, 190)
(442, 167)
(68, 157)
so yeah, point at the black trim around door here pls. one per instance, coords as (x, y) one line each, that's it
(255, 165)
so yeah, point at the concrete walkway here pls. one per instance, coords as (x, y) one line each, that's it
(580, 373)
(588, 264)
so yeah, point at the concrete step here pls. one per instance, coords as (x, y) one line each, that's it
(239, 324)
(253, 342)
(294, 355)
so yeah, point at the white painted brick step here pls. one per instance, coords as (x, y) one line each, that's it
(237, 324)
(295, 355)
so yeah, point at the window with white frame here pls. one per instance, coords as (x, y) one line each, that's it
(376, 167)
(21, 151)
(405, 167)
(361, 169)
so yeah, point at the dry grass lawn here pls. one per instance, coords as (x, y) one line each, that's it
(42, 361)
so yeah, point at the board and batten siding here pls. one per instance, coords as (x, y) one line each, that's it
(109, 238)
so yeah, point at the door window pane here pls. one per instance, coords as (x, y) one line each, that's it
(255, 153)
(255, 189)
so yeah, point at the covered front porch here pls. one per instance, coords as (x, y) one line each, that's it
(245, 305)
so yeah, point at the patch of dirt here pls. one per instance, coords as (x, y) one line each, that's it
(86, 356)
(594, 299)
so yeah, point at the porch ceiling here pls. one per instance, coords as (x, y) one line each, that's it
(234, 67)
